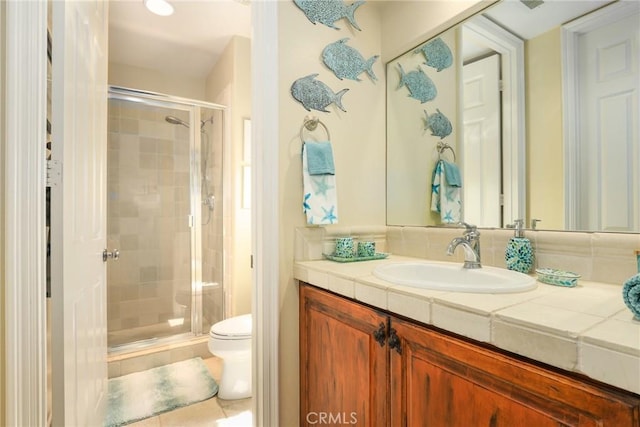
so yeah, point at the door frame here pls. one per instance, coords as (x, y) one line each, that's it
(511, 50)
(24, 249)
(570, 33)
(265, 226)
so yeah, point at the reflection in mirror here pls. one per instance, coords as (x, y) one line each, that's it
(536, 154)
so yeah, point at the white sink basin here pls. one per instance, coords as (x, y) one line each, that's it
(452, 277)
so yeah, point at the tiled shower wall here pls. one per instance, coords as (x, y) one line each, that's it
(148, 208)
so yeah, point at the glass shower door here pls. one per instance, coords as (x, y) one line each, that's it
(211, 216)
(150, 287)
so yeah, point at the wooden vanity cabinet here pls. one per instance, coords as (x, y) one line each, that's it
(344, 361)
(424, 377)
(440, 380)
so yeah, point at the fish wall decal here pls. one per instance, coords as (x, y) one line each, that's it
(437, 54)
(314, 94)
(346, 62)
(438, 123)
(327, 12)
(420, 86)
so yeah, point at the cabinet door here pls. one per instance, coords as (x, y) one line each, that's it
(438, 380)
(344, 376)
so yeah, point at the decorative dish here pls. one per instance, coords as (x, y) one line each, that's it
(556, 277)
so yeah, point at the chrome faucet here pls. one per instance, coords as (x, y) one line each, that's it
(470, 242)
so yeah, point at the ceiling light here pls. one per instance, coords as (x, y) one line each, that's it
(532, 4)
(159, 7)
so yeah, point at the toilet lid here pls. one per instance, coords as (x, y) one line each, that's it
(239, 326)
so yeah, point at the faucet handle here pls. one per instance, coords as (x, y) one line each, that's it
(469, 228)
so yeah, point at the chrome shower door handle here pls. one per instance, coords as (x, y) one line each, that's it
(114, 255)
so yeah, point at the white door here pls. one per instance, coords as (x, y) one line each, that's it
(481, 172)
(78, 212)
(609, 115)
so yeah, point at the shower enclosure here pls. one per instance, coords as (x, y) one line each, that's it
(164, 214)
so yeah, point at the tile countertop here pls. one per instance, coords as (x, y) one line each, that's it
(586, 329)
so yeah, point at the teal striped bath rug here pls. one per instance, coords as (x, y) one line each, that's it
(141, 395)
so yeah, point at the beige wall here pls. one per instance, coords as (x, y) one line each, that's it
(545, 179)
(358, 146)
(409, 23)
(155, 81)
(412, 152)
(358, 138)
(231, 79)
(2, 220)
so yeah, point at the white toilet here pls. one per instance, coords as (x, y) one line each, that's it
(230, 340)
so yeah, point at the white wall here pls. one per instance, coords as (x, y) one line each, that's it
(231, 79)
(2, 219)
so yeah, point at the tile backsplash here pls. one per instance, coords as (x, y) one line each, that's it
(599, 257)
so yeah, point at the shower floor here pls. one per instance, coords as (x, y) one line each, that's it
(144, 334)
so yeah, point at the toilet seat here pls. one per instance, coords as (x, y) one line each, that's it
(234, 328)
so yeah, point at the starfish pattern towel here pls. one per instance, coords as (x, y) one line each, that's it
(320, 198)
(445, 192)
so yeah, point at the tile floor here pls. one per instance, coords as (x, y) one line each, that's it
(212, 412)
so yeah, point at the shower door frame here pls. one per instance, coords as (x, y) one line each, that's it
(193, 107)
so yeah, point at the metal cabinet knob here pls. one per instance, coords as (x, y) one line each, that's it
(380, 334)
(394, 341)
(106, 255)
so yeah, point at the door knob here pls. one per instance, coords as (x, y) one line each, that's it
(106, 255)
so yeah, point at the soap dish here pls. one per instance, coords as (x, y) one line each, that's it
(552, 276)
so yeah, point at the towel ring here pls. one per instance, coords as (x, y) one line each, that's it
(311, 123)
(444, 146)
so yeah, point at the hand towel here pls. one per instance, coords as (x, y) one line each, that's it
(445, 192)
(631, 295)
(320, 198)
(452, 173)
(320, 158)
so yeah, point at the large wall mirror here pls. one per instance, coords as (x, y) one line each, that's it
(536, 105)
